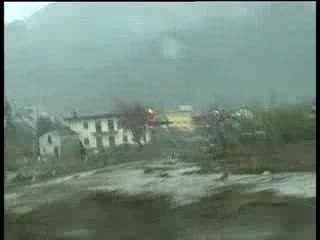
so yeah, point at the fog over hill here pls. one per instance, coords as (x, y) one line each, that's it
(91, 56)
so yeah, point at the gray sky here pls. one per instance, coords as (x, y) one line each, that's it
(20, 10)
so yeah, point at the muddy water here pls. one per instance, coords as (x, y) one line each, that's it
(181, 203)
(229, 214)
(182, 183)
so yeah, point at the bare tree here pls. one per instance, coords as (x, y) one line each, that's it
(135, 119)
(45, 125)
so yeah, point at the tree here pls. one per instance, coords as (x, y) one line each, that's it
(45, 125)
(218, 126)
(8, 117)
(11, 152)
(135, 118)
(7, 110)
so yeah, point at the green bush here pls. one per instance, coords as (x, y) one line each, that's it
(285, 123)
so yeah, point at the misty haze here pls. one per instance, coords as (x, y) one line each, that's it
(140, 120)
(94, 54)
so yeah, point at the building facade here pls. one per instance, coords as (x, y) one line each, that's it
(57, 143)
(181, 118)
(102, 131)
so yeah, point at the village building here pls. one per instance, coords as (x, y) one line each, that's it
(59, 143)
(181, 118)
(101, 131)
(243, 113)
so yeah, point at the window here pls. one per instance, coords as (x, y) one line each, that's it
(125, 139)
(49, 139)
(112, 141)
(98, 126)
(86, 141)
(99, 142)
(85, 125)
(111, 125)
(56, 152)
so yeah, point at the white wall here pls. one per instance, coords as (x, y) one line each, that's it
(124, 132)
(45, 147)
(118, 138)
(105, 141)
(77, 126)
(92, 140)
(148, 135)
(104, 124)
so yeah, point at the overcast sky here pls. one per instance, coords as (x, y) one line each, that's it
(19, 10)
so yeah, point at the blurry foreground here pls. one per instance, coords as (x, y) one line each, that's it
(165, 199)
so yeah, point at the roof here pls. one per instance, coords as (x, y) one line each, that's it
(93, 117)
(65, 131)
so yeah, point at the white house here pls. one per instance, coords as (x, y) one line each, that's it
(51, 143)
(243, 113)
(102, 131)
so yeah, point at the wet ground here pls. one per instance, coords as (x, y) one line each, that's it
(163, 200)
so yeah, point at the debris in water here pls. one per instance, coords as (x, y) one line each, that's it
(34, 179)
(148, 170)
(266, 173)
(164, 175)
(224, 177)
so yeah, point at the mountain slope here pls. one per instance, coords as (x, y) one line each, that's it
(90, 56)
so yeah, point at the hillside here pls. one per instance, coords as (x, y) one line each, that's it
(90, 56)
